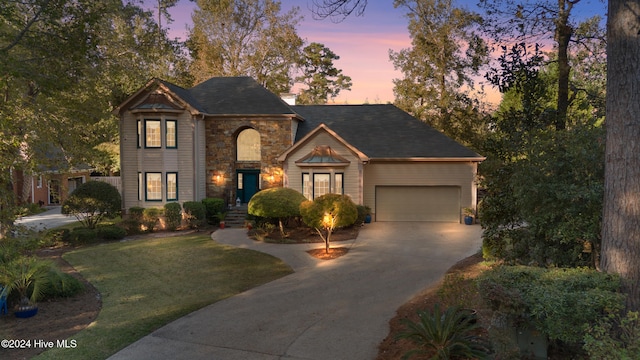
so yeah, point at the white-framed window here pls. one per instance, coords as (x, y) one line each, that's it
(152, 134)
(153, 186)
(172, 186)
(321, 184)
(39, 182)
(171, 134)
(248, 145)
(140, 186)
(307, 189)
(338, 184)
(139, 138)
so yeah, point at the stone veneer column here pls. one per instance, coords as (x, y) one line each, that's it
(221, 164)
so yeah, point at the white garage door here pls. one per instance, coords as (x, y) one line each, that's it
(418, 203)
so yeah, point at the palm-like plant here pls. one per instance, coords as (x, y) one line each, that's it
(445, 335)
(27, 276)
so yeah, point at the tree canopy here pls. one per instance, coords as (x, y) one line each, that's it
(64, 65)
(245, 38)
(438, 69)
(321, 77)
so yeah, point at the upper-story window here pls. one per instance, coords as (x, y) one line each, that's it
(248, 145)
(171, 134)
(152, 134)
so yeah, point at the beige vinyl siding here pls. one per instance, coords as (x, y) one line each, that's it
(136, 160)
(200, 162)
(417, 173)
(351, 179)
(129, 160)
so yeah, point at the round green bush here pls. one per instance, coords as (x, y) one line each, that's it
(93, 201)
(276, 203)
(173, 215)
(213, 206)
(150, 218)
(196, 213)
(341, 207)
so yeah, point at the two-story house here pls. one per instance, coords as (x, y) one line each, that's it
(229, 137)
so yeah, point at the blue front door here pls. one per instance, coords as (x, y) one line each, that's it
(247, 184)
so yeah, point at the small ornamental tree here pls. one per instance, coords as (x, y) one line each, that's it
(93, 201)
(329, 212)
(279, 203)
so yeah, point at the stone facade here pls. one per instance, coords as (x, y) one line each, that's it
(221, 149)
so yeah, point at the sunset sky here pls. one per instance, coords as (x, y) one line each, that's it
(362, 43)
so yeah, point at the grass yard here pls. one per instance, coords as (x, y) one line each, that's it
(147, 283)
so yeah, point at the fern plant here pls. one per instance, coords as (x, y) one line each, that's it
(445, 335)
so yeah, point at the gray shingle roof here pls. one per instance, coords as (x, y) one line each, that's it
(240, 95)
(381, 131)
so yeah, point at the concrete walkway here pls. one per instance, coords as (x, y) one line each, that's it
(326, 310)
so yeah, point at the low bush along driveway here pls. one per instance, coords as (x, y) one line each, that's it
(147, 283)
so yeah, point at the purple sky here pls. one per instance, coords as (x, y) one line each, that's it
(362, 43)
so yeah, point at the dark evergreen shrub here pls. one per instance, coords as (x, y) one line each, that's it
(173, 215)
(213, 206)
(196, 214)
(81, 236)
(111, 232)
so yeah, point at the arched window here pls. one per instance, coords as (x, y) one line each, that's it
(248, 145)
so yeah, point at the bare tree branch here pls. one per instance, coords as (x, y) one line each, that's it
(337, 10)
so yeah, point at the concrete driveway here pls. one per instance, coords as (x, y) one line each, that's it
(46, 220)
(326, 310)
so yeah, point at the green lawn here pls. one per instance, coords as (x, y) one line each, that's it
(148, 283)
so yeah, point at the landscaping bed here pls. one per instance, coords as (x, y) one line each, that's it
(56, 319)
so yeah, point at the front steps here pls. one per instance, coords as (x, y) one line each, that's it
(236, 216)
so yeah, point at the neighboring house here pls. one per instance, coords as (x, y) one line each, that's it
(231, 137)
(48, 187)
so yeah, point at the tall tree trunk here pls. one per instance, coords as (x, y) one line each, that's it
(564, 32)
(621, 218)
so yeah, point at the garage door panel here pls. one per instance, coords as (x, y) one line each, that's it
(418, 203)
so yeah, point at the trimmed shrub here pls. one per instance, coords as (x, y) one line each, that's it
(55, 236)
(80, 236)
(363, 211)
(196, 214)
(136, 212)
(173, 215)
(93, 201)
(560, 303)
(213, 206)
(150, 218)
(614, 337)
(133, 221)
(278, 203)
(111, 232)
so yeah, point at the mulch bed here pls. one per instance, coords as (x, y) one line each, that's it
(333, 253)
(57, 319)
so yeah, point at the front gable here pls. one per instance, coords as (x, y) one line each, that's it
(323, 162)
(158, 96)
